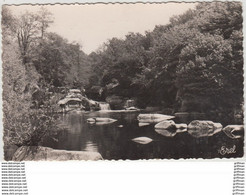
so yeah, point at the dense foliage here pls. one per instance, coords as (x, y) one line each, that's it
(194, 63)
(35, 64)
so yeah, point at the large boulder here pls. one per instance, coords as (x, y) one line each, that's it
(169, 128)
(168, 125)
(199, 128)
(234, 131)
(39, 153)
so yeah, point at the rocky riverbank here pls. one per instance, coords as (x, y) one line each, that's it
(39, 153)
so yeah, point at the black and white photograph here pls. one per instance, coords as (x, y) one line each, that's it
(122, 81)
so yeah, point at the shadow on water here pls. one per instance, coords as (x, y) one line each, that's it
(114, 141)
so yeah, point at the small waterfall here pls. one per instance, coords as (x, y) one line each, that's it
(104, 106)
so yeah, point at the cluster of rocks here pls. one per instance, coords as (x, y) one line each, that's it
(196, 128)
(199, 128)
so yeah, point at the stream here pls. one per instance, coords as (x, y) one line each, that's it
(114, 141)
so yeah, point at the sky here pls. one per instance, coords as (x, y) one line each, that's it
(91, 25)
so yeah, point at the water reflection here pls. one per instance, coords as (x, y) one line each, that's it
(90, 147)
(114, 141)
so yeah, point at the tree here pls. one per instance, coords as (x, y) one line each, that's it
(27, 29)
(45, 19)
(61, 63)
(196, 57)
(220, 18)
(30, 28)
(22, 125)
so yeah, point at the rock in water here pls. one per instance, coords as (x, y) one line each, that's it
(153, 118)
(199, 128)
(167, 125)
(169, 128)
(143, 124)
(234, 131)
(142, 140)
(39, 153)
(100, 120)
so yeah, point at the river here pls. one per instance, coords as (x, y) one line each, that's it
(114, 141)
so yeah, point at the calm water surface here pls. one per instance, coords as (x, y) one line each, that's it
(114, 142)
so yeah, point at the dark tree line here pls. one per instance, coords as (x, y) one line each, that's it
(194, 63)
